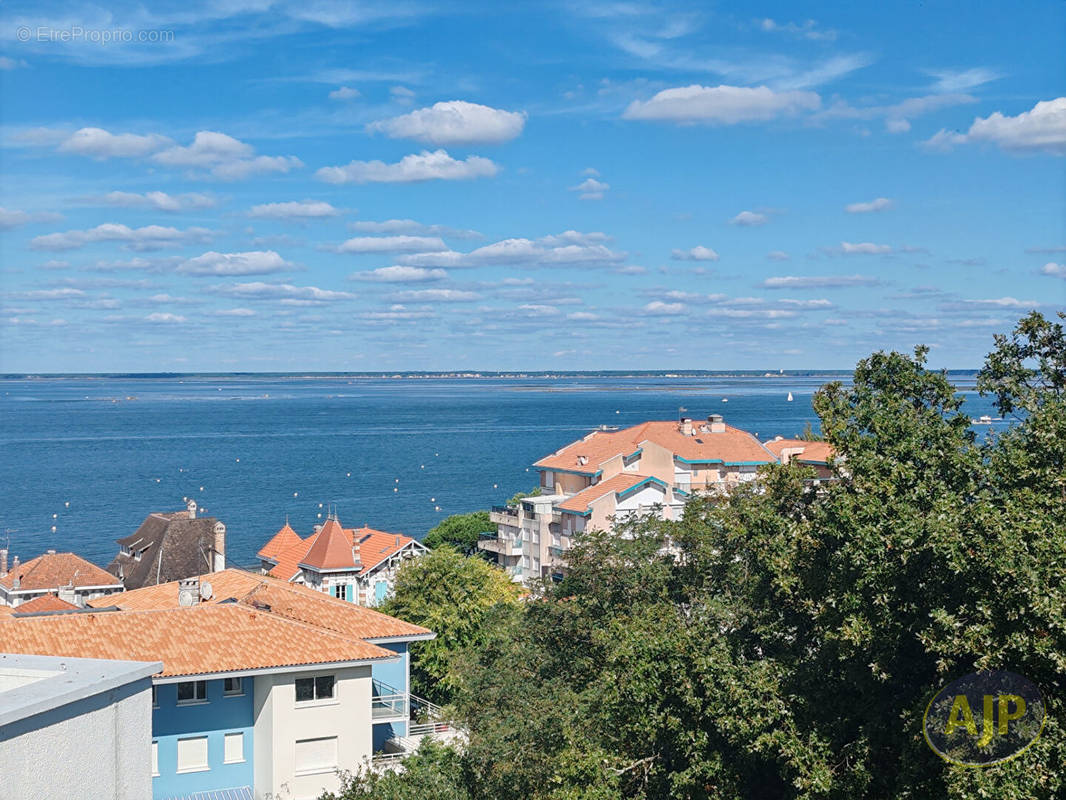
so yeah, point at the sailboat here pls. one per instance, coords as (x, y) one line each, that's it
(790, 397)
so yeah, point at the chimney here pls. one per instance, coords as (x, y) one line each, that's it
(15, 564)
(355, 554)
(220, 547)
(717, 423)
(3, 561)
(192, 587)
(686, 427)
(191, 505)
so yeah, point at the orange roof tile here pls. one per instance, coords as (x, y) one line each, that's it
(279, 542)
(331, 550)
(52, 570)
(285, 599)
(581, 501)
(44, 602)
(6, 611)
(732, 446)
(198, 640)
(816, 452)
(375, 546)
(288, 560)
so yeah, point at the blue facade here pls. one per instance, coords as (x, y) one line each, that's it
(212, 718)
(394, 675)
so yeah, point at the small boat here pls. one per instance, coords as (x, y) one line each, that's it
(725, 399)
(984, 419)
(790, 397)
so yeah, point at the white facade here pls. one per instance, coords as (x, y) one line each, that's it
(74, 727)
(299, 746)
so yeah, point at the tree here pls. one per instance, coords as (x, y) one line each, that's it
(459, 531)
(433, 773)
(518, 497)
(451, 595)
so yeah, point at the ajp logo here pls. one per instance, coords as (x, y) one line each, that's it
(984, 718)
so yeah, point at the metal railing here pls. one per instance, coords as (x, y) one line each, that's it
(386, 702)
(511, 511)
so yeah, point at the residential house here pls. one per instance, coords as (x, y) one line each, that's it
(611, 475)
(267, 689)
(72, 727)
(67, 576)
(169, 546)
(358, 565)
(815, 455)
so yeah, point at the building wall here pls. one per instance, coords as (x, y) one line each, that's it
(100, 745)
(656, 461)
(214, 719)
(280, 723)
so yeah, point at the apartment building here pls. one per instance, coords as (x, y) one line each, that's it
(268, 689)
(358, 565)
(610, 475)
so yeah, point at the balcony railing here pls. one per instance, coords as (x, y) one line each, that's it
(558, 552)
(511, 511)
(387, 702)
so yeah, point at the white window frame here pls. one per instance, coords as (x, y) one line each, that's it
(205, 766)
(237, 736)
(316, 769)
(155, 758)
(240, 687)
(195, 700)
(316, 700)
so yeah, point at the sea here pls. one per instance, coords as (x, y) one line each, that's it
(86, 458)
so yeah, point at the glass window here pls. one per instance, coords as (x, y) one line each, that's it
(155, 698)
(155, 758)
(232, 687)
(192, 692)
(320, 688)
(192, 754)
(234, 749)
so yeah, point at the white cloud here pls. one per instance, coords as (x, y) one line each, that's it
(257, 290)
(659, 308)
(254, 262)
(98, 143)
(157, 201)
(1040, 130)
(47, 294)
(11, 218)
(961, 80)
(235, 312)
(390, 244)
(165, 317)
(1053, 269)
(435, 296)
(306, 209)
(344, 93)
(818, 282)
(409, 226)
(400, 274)
(591, 189)
(568, 248)
(722, 105)
(424, 166)
(880, 204)
(864, 248)
(749, 219)
(455, 122)
(224, 156)
(807, 30)
(778, 255)
(150, 237)
(698, 253)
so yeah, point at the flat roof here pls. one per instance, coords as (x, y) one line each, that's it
(31, 685)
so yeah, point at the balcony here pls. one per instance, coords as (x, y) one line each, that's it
(494, 543)
(504, 515)
(388, 703)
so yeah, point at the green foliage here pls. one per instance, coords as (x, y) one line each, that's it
(809, 434)
(433, 773)
(518, 497)
(451, 595)
(459, 531)
(783, 642)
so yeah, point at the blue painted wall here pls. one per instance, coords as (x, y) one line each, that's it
(215, 718)
(394, 675)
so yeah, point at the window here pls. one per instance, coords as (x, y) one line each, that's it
(234, 749)
(340, 591)
(155, 758)
(155, 697)
(192, 692)
(232, 687)
(320, 688)
(192, 754)
(316, 755)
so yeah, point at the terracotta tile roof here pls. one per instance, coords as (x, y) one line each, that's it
(581, 501)
(285, 599)
(279, 543)
(376, 546)
(332, 549)
(44, 602)
(733, 446)
(288, 560)
(815, 452)
(52, 570)
(6, 611)
(198, 640)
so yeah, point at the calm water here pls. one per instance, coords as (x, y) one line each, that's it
(253, 450)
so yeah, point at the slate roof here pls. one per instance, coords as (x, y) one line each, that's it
(172, 547)
(52, 570)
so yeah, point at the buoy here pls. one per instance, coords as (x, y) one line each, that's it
(433, 499)
(437, 508)
(55, 516)
(397, 480)
(790, 397)
(725, 399)
(157, 480)
(201, 488)
(67, 504)
(295, 494)
(320, 516)
(395, 489)
(422, 467)
(53, 529)
(494, 486)
(320, 505)
(238, 461)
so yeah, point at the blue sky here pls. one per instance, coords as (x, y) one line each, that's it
(325, 185)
